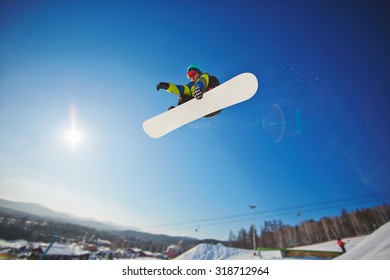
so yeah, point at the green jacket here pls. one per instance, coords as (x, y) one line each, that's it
(203, 82)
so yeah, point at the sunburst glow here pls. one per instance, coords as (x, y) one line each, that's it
(73, 136)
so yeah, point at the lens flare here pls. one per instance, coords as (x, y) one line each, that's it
(273, 123)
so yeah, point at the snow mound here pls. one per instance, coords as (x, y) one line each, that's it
(376, 246)
(221, 252)
(211, 252)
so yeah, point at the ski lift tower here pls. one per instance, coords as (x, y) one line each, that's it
(251, 206)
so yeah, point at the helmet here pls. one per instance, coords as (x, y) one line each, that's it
(193, 67)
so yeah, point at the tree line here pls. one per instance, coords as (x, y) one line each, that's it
(275, 234)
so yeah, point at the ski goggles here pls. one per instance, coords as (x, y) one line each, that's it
(191, 74)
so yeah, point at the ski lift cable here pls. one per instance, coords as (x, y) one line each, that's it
(266, 216)
(272, 212)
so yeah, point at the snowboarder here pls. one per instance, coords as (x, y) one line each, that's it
(199, 84)
(341, 244)
(235, 90)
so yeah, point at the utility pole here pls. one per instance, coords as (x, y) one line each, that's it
(251, 206)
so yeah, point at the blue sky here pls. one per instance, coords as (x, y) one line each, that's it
(314, 139)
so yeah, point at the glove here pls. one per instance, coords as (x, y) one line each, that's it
(162, 85)
(198, 94)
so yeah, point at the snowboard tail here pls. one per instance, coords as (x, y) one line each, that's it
(213, 114)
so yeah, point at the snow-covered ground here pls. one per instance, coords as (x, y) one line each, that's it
(221, 252)
(13, 243)
(332, 245)
(372, 247)
(375, 246)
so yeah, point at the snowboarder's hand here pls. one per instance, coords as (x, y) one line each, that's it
(162, 85)
(198, 94)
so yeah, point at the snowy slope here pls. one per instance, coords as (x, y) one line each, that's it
(332, 245)
(372, 247)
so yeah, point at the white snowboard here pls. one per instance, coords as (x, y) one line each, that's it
(236, 90)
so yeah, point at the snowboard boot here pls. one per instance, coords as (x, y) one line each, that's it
(182, 99)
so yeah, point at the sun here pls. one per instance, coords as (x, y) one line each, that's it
(73, 136)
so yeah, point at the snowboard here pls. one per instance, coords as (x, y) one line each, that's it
(236, 90)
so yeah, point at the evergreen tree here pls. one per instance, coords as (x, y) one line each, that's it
(232, 240)
(242, 239)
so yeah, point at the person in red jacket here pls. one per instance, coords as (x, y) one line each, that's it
(341, 244)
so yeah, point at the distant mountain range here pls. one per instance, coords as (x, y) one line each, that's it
(34, 222)
(13, 207)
